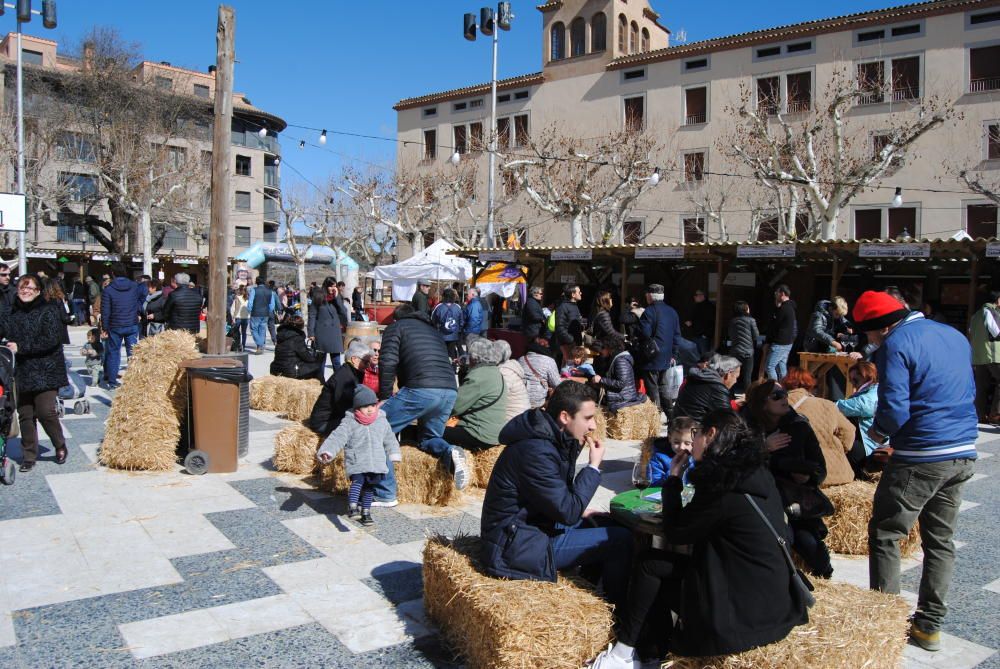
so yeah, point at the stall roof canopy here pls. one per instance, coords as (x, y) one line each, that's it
(819, 250)
(435, 263)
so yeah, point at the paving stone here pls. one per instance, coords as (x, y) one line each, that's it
(399, 586)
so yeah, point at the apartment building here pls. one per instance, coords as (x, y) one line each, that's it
(609, 65)
(61, 243)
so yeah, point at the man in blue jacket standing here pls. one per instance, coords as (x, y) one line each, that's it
(476, 318)
(926, 410)
(660, 323)
(121, 311)
(263, 304)
(535, 501)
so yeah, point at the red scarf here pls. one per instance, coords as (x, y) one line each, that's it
(363, 419)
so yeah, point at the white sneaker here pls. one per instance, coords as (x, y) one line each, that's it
(459, 461)
(606, 660)
(385, 502)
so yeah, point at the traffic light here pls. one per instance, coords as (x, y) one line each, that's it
(486, 21)
(504, 16)
(470, 27)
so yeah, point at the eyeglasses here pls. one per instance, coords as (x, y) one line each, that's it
(3, 274)
(778, 395)
(30, 288)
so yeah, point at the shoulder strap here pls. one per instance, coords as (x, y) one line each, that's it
(503, 389)
(533, 370)
(801, 401)
(781, 541)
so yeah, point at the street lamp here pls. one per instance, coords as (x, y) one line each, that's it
(24, 12)
(488, 24)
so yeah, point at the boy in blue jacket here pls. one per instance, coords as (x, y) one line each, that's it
(679, 438)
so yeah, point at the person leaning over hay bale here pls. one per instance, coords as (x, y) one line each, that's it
(708, 389)
(926, 406)
(337, 396)
(733, 593)
(534, 505)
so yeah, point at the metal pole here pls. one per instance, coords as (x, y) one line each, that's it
(22, 261)
(493, 142)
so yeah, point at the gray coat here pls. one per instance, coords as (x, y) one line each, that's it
(325, 321)
(365, 446)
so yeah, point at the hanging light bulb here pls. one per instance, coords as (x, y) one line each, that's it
(897, 200)
(455, 159)
(322, 137)
(277, 161)
(654, 178)
(302, 143)
(262, 133)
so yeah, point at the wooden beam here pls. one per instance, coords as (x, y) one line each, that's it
(623, 291)
(722, 267)
(973, 280)
(836, 274)
(219, 225)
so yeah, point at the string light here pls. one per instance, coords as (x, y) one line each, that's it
(322, 137)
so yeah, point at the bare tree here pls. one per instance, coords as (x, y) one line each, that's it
(818, 146)
(592, 186)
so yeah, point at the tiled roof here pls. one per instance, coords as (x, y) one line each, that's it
(503, 84)
(837, 23)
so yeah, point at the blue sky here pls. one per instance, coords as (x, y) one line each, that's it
(341, 65)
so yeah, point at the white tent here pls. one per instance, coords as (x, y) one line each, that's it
(431, 264)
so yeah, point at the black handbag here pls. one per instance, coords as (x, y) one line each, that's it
(811, 500)
(799, 580)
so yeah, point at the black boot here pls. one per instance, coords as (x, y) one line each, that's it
(366, 517)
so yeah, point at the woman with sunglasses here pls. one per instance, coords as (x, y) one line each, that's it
(734, 592)
(33, 331)
(798, 466)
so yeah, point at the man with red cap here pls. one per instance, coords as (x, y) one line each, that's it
(926, 410)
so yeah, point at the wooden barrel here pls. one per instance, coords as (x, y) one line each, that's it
(360, 329)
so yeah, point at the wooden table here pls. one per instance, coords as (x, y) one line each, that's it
(819, 364)
(631, 509)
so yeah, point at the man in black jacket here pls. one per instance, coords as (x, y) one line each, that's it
(7, 291)
(781, 334)
(535, 500)
(532, 316)
(182, 310)
(707, 389)
(421, 301)
(569, 322)
(415, 355)
(337, 396)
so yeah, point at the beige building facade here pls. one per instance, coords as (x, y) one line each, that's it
(610, 64)
(255, 183)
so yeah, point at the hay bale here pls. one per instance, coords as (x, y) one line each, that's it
(602, 425)
(293, 397)
(482, 465)
(144, 424)
(497, 623)
(301, 397)
(848, 627)
(264, 391)
(420, 479)
(635, 422)
(848, 526)
(295, 450)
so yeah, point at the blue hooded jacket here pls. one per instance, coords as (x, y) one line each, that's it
(926, 392)
(120, 304)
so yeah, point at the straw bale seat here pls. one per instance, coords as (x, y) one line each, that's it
(292, 397)
(602, 425)
(144, 425)
(481, 465)
(295, 449)
(498, 623)
(848, 627)
(420, 478)
(640, 421)
(848, 526)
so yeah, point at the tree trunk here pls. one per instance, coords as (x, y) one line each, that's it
(793, 216)
(300, 277)
(417, 242)
(576, 230)
(830, 217)
(146, 232)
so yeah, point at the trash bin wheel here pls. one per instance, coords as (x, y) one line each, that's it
(80, 407)
(9, 472)
(196, 462)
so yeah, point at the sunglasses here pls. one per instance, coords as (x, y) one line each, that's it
(778, 395)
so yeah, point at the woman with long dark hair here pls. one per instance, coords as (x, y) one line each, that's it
(34, 333)
(292, 358)
(735, 591)
(327, 320)
(603, 329)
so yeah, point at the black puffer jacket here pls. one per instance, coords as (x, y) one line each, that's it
(819, 335)
(702, 394)
(619, 382)
(569, 326)
(335, 400)
(36, 328)
(603, 329)
(182, 310)
(292, 358)
(743, 336)
(532, 318)
(414, 353)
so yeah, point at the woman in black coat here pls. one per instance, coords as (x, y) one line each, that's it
(798, 466)
(292, 358)
(327, 320)
(34, 332)
(602, 328)
(52, 293)
(735, 592)
(618, 377)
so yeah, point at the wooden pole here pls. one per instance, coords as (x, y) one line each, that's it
(623, 293)
(218, 250)
(723, 270)
(834, 277)
(973, 280)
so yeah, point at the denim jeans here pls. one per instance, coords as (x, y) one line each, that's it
(113, 348)
(431, 408)
(776, 366)
(611, 547)
(258, 328)
(80, 310)
(930, 492)
(239, 333)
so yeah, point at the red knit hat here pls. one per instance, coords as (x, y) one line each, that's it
(875, 310)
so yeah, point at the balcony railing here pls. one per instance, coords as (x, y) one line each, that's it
(871, 98)
(271, 178)
(905, 93)
(254, 141)
(767, 108)
(981, 84)
(798, 106)
(270, 210)
(695, 119)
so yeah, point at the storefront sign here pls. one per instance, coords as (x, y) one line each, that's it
(105, 256)
(993, 250)
(498, 256)
(575, 254)
(669, 253)
(917, 250)
(769, 251)
(139, 259)
(567, 278)
(42, 254)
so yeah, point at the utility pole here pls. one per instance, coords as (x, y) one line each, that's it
(218, 250)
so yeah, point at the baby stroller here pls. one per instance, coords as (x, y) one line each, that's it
(8, 407)
(74, 392)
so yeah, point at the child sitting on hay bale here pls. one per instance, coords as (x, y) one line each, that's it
(366, 439)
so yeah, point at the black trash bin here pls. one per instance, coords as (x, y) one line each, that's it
(218, 414)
